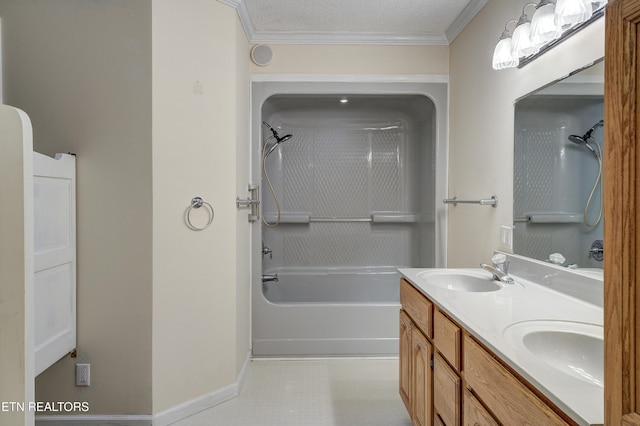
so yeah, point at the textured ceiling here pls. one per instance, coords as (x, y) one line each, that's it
(355, 21)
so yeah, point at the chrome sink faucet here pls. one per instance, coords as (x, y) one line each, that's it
(498, 273)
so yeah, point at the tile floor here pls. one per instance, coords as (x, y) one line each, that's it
(313, 392)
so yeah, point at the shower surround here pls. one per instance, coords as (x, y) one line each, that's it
(358, 186)
(553, 178)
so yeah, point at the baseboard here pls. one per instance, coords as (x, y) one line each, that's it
(204, 402)
(91, 420)
(165, 418)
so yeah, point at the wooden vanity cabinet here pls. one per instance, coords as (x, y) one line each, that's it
(415, 355)
(447, 378)
(415, 371)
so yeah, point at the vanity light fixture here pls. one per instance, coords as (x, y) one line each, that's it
(502, 54)
(521, 38)
(552, 22)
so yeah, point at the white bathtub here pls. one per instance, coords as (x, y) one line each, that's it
(328, 313)
(360, 187)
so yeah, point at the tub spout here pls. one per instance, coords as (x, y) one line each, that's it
(270, 278)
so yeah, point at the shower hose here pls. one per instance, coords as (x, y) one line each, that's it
(265, 154)
(593, 190)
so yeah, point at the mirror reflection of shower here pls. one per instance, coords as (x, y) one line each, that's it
(271, 144)
(586, 141)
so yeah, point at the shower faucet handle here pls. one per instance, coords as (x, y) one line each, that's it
(266, 250)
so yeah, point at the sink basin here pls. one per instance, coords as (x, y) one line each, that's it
(573, 348)
(461, 281)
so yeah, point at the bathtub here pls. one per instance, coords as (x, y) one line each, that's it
(360, 187)
(328, 313)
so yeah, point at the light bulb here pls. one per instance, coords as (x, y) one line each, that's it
(544, 27)
(521, 40)
(502, 56)
(573, 12)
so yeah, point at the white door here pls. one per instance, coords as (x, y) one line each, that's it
(54, 196)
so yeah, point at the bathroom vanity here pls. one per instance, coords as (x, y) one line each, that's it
(475, 351)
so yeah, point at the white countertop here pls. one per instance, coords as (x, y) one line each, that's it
(486, 315)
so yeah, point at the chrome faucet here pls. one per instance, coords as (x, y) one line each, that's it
(498, 274)
(270, 278)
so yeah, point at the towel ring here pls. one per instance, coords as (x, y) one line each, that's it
(196, 203)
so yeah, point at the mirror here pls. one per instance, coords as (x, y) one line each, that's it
(558, 148)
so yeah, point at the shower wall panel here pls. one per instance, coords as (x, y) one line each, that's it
(553, 176)
(351, 183)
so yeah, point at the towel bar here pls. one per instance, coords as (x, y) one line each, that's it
(493, 201)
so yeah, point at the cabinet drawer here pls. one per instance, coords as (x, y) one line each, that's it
(509, 399)
(417, 307)
(446, 392)
(447, 338)
(474, 412)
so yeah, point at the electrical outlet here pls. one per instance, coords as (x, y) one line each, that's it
(506, 238)
(83, 374)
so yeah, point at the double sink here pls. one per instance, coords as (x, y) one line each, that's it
(553, 339)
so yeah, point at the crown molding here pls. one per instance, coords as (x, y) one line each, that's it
(304, 37)
(468, 13)
(301, 37)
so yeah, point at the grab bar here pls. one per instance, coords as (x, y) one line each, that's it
(340, 219)
(493, 201)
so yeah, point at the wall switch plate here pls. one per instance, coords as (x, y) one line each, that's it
(83, 374)
(506, 238)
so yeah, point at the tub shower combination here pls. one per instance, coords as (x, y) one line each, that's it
(558, 178)
(348, 195)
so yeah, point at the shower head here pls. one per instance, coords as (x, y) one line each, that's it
(277, 137)
(283, 138)
(584, 140)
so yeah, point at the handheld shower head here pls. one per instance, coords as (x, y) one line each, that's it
(275, 136)
(584, 140)
(283, 138)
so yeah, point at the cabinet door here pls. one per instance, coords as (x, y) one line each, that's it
(446, 392)
(504, 394)
(421, 396)
(474, 412)
(405, 360)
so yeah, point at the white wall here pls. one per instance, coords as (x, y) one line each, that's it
(82, 71)
(482, 123)
(243, 236)
(163, 311)
(356, 59)
(200, 122)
